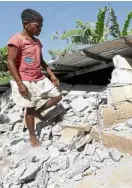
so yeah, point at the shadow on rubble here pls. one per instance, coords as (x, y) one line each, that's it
(52, 117)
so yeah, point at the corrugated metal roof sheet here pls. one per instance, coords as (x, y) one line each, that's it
(107, 50)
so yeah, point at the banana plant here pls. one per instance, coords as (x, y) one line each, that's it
(115, 29)
(86, 32)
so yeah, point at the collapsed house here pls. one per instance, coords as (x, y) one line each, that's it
(89, 129)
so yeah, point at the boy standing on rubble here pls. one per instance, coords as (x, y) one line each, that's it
(24, 62)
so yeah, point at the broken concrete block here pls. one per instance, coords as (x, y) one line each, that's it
(4, 119)
(73, 157)
(59, 163)
(111, 116)
(79, 104)
(115, 155)
(42, 177)
(83, 141)
(30, 173)
(56, 130)
(77, 93)
(121, 76)
(116, 94)
(122, 141)
(122, 63)
(89, 149)
(19, 172)
(79, 167)
(68, 134)
(108, 114)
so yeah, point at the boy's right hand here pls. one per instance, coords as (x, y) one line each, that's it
(23, 90)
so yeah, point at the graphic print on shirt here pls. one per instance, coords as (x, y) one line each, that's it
(28, 60)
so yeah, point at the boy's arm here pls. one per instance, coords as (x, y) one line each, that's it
(50, 73)
(12, 55)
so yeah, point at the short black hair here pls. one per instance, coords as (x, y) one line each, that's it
(31, 15)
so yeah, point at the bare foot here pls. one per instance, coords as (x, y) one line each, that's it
(34, 141)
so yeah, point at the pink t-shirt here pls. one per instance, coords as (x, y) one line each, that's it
(28, 60)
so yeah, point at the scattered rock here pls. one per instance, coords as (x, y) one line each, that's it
(115, 155)
(68, 152)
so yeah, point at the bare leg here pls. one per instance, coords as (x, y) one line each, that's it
(53, 101)
(29, 117)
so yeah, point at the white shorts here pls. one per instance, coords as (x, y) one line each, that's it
(38, 90)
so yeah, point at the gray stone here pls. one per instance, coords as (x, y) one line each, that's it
(84, 140)
(104, 153)
(77, 93)
(30, 173)
(79, 104)
(91, 101)
(89, 149)
(97, 157)
(14, 117)
(4, 119)
(59, 163)
(56, 130)
(18, 173)
(65, 104)
(79, 167)
(115, 155)
(129, 123)
(73, 157)
(96, 164)
(42, 177)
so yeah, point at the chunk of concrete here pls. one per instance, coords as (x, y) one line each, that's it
(111, 116)
(115, 155)
(122, 141)
(30, 173)
(116, 94)
(79, 104)
(121, 76)
(122, 63)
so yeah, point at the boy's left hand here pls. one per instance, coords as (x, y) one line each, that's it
(55, 80)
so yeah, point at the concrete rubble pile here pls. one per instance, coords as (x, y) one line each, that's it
(69, 150)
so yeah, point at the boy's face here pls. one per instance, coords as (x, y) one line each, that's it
(34, 28)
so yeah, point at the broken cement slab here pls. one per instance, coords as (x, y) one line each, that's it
(119, 93)
(113, 139)
(117, 114)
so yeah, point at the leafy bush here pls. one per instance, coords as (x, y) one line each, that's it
(3, 59)
(5, 77)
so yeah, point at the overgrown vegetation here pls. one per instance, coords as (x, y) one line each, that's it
(5, 77)
(91, 33)
(4, 73)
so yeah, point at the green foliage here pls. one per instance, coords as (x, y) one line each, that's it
(88, 33)
(5, 77)
(114, 28)
(3, 59)
(100, 24)
(126, 24)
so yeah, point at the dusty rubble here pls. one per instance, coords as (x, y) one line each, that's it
(68, 152)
